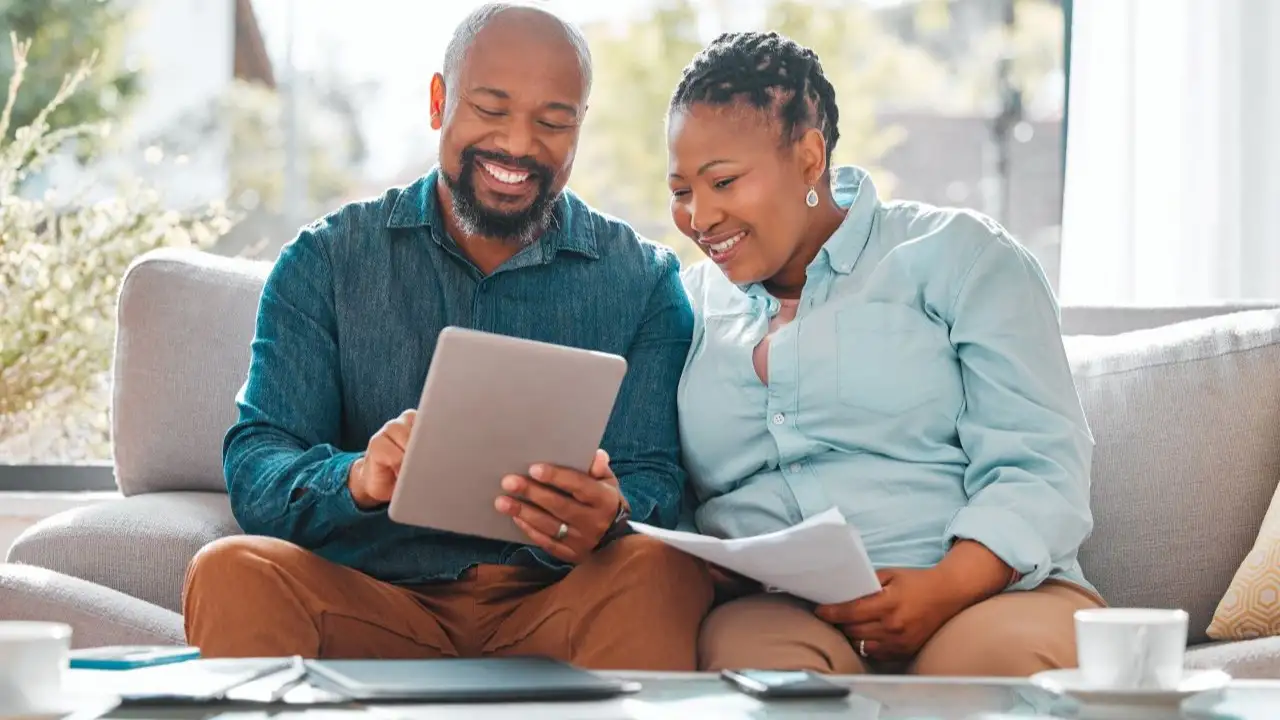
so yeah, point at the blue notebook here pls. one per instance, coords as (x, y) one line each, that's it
(128, 657)
(509, 679)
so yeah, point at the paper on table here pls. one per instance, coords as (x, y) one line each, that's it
(821, 559)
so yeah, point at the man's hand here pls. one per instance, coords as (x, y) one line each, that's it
(896, 622)
(585, 504)
(373, 476)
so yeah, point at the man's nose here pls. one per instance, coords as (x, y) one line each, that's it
(517, 139)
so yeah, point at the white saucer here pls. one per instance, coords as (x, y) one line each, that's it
(1071, 683)
(81, 706)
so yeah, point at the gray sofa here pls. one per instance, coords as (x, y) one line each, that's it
(1184, 404)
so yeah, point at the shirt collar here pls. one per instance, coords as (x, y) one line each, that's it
(853, 189)
(570, 230)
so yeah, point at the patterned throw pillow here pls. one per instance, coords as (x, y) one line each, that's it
(1251, 606)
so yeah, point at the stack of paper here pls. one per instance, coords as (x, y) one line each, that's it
(821, 560)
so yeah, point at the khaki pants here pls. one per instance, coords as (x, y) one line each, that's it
(636, 604)
(1015, 634)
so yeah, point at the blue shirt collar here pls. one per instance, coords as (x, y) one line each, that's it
(570, 230)
(853, 189)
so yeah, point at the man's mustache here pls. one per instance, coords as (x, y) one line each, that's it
(472, 154)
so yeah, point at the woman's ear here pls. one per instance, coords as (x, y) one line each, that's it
(812, 153)
(437, 101)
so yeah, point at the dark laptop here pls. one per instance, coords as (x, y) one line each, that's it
(508, 679)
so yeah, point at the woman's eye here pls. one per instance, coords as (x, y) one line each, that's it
(679, 193)
(724, 183)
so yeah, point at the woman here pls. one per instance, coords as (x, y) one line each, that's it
(900, 362)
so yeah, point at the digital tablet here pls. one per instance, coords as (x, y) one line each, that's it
(459, 680)
(491, 406)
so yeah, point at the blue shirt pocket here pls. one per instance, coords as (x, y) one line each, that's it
(890, 358)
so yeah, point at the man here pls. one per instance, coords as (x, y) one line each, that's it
(491, 240)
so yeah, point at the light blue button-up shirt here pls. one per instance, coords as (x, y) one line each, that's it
(922, 388)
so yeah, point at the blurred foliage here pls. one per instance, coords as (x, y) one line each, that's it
(622, 162)
(251, 118)
(60, 265)
(1033, 45)
(622, 157)
(65, 34)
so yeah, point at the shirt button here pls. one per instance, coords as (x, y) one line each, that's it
(779, 418)
(795, 467)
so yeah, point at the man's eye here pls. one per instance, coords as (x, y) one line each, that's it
(488, 113)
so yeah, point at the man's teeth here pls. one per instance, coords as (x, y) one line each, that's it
(724, 246)
(506, 176)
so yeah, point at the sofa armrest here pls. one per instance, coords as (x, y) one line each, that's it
(97, 615)
(138, 545)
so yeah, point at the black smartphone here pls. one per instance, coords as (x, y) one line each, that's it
(783, 684)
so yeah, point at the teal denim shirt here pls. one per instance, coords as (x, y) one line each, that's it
(346, 328)
(923, 389)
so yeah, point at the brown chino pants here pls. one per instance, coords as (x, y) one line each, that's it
(635, 604)
(1014, 634)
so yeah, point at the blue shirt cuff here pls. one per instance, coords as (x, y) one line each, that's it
(1008, 537)
(335, 501)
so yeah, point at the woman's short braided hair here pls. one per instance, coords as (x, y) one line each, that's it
(769, 72)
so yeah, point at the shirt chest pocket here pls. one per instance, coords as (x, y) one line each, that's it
(891, 358)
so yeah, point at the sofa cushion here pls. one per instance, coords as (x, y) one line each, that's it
(97, 615)
(1245, 660)
(185, 323)
(138, 545)
(1187, 424)
(1250, 608)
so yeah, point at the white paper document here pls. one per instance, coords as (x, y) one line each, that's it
(821, 559)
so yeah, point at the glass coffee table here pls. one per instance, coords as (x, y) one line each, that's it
(705, 697)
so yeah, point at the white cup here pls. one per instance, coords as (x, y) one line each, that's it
(1131, 648)
(33, 660)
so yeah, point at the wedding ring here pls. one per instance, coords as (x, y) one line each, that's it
(564, 530)
(862, 648)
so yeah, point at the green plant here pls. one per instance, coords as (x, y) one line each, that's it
(64, 34)
(60, 265)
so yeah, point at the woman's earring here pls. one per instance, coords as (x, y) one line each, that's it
(812, 198)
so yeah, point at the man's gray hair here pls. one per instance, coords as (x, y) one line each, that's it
(465, 34)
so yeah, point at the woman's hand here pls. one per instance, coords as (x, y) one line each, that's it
(896, 622)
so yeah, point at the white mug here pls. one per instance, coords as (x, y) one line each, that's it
(33, 660)
(1131, 648)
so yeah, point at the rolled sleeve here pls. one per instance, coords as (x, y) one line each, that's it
(1022, 425)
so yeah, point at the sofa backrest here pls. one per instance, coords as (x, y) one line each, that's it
(1186, 419)
(185, 321)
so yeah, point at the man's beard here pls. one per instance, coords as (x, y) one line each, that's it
(520, 227)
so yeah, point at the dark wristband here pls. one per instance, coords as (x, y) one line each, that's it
(620, 525)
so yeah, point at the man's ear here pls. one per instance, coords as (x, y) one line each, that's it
(437, 101)
(812, 153)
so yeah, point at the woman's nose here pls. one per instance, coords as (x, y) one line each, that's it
(703, 215)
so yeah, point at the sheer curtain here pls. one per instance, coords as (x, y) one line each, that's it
(1172, 192)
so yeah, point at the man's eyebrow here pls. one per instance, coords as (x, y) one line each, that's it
(501, 94)
(504, 95)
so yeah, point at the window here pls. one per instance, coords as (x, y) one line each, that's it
(284, 109)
